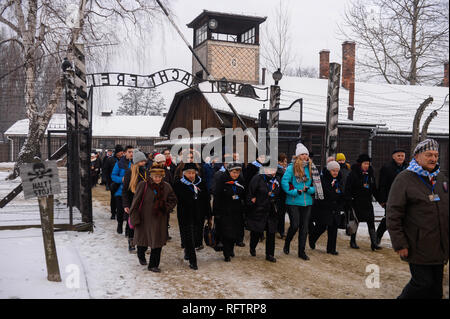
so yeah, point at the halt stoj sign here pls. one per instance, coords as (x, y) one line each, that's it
(40, 179)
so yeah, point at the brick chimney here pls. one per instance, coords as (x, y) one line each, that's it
(446, 74)
(324, 67)
(348, 63)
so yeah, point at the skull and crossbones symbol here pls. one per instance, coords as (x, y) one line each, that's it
(39, 172)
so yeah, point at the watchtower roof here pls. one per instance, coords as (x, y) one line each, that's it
(228, 23)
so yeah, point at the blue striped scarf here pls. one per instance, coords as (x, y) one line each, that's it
(416, 168)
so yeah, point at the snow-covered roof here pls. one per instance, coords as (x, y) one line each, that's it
(391, 106)
(103, 126)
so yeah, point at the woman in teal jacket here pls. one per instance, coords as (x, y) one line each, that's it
(297, 183)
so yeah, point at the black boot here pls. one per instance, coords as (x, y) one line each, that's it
(373, 239)
(286, 247)
(271, 259)
(303, 256)
(131, 247)
(119, 228)
(353, 242)
(141, 257)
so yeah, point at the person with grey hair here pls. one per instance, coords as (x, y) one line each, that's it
(326, 212)
(417, 221)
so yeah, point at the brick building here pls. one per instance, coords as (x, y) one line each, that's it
(373, 118)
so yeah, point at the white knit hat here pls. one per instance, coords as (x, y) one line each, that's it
(333, 165)
(301, 149)
(160, 158)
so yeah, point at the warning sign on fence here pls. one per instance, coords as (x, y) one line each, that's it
(40, 179)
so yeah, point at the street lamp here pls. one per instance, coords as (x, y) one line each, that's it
(277, 76)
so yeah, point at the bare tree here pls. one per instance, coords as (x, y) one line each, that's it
(276, 49)
(141, 102)
(46, 31)
(12, 101)
(399, 41)
(302, 72)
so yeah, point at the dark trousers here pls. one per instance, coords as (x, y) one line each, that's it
(141, 252)
(270, 242)
(299, 217)
(381, 228)
(119, 210)
(188, 240)
(332, 231)
(425, 283)
(155, 257)
(112, 203)
(281, 218)
(370, 227)
(198, 233)
(228, 246)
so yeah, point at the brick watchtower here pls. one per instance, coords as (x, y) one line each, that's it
(228, 45)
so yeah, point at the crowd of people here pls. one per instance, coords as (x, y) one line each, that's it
(233, 198)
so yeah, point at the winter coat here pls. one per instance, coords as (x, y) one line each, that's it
(359, 197)
(262, 215)
(192, 209)
(118, 173)
(326, 211)
(281, 203)
(290, 185)
(416, 223)
(208, 171)
(127, 194)
(108, 167)
(344, 171)
(150, 230)
(387, 175)
(95, 167)
(250, 171)
(229, 212)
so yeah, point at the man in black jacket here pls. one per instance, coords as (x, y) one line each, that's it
(387, 175)
(107, 170)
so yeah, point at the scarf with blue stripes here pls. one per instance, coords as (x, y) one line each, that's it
(416, 168)
(193, 184)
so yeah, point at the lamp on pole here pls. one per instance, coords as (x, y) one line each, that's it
(277, 76)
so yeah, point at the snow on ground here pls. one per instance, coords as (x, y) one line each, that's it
(106, 269)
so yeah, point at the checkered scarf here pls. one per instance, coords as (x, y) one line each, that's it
(416, 168)
(316, 181)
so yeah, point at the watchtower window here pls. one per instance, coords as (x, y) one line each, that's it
(201, 34)
(249, 36)
(224, 37)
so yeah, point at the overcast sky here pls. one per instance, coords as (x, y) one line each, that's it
(314, 27)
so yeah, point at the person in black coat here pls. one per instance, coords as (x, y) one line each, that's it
(252, 169)
(387, 175)
(229, 205)
(326, 212)
(359, 189)
(192, 209)
(281, 203)
(262, 195)
(108, 167)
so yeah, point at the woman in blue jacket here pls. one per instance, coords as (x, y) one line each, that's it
(297, 183)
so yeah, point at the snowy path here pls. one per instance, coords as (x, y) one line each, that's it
(107, 270)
